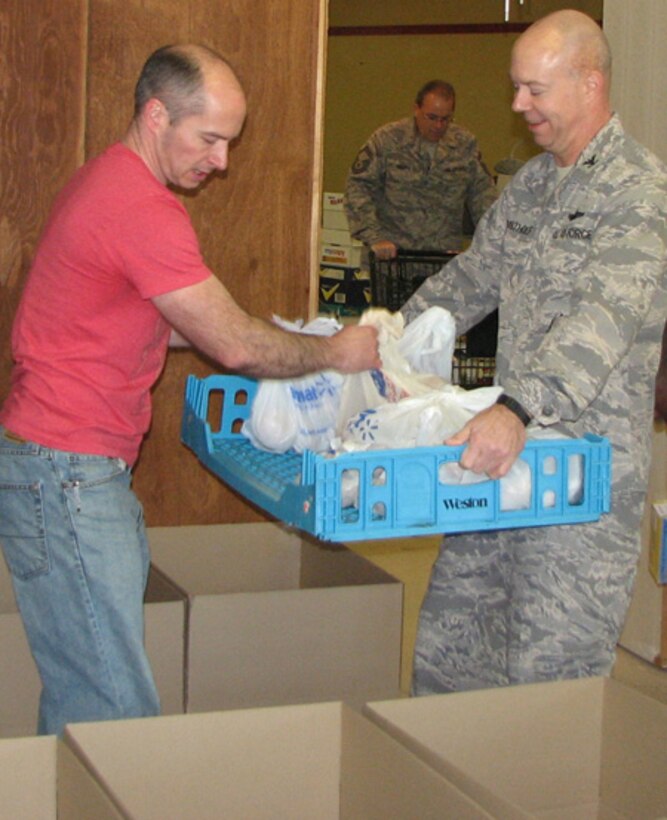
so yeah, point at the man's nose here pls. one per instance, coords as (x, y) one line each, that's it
(219, 157)
(520, 100)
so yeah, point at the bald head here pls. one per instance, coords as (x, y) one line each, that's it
(178, 76)
(574, 37)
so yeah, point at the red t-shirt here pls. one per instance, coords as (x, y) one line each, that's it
(87, 341)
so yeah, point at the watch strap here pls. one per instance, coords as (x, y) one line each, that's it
(512, 404)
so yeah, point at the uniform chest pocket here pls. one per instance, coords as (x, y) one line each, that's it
(398, 170)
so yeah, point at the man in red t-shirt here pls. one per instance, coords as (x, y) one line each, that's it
(118, 274)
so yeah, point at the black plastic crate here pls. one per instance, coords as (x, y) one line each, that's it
(473, 371)
(393, 281)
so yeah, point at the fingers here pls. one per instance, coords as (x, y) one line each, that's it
(384, 249)
(495, 437)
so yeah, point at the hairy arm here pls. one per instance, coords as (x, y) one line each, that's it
(210, 319)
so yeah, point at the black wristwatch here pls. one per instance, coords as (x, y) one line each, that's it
(512, 404)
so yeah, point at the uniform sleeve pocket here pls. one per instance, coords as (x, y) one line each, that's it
(22, 531)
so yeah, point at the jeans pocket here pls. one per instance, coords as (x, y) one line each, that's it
(22, 531)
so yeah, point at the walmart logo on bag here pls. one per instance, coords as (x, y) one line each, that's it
(365, 425)
(314, 391)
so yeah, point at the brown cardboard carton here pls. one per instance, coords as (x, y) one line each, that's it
(28, 778)
(275, 619)
(590, 748)
(40, 779)
(311, 761)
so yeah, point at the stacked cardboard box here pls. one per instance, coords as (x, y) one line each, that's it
(344, 286)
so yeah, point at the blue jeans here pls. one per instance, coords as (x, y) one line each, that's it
(73, 535)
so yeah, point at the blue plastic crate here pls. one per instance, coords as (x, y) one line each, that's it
(396, 492)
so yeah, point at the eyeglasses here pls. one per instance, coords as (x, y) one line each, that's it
(436, 118)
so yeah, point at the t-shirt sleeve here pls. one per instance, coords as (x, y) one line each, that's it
(159, 248)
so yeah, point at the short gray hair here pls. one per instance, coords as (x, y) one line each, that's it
(174, 75)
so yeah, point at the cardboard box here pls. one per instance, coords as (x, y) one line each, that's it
(20, 685)
(275, 619)
(589, 748)
(315, 761)
(335, 220)
(657, 562)
(344, 289)
(332, 200)
(28, 778)
(645, 629)
(40, 779)
(333, 214)
(330, 236)
(345, 255)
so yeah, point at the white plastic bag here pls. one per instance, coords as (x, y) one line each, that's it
(428, 342)
(400, 377)
(272, 424)
(297, 414)
(420, 421)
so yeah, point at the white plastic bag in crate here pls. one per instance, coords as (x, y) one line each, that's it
(297, 414)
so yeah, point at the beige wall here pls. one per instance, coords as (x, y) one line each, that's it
(373, 79)
(636, 33)
(400, 12)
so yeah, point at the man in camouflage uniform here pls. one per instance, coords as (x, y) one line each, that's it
(412, 180)
(573, 254)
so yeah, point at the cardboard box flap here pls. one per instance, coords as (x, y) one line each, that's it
(381, 779)
(633, 752)
(548, 749)
(160, 589)
(264, 763)
(321, 761)
(212, 560)
(28, 778)
(255, 558)
(277, 619)
(331, 565)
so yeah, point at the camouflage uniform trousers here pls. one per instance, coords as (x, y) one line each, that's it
(531, 605)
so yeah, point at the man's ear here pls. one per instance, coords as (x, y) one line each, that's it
(155, 114)
(594, 82)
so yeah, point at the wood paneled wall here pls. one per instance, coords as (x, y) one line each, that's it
(67, 74)
(42, 56)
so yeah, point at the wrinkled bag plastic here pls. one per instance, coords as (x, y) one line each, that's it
(297, 414)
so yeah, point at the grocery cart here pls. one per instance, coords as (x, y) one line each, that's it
(393, 281)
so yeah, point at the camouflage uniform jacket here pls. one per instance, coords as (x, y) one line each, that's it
(395, 192)
(577, 271)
